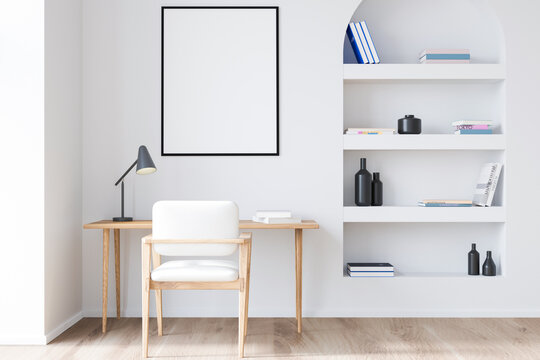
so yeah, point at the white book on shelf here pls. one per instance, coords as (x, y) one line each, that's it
(364, 43)
(370, 274)
(273, 213)
(272, 220)
(472, 122)
(487, 184)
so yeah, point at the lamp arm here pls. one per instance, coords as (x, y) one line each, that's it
(127, 172)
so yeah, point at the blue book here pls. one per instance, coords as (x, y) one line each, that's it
(446, 57)
(372, 48)
(473, 132)
(356, 44)
(364, 42)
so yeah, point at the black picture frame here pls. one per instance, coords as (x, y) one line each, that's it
(165, 8)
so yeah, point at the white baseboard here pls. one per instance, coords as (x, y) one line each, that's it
(340, 313)
(51, 335)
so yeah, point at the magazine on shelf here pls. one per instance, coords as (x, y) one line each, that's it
(487, 184)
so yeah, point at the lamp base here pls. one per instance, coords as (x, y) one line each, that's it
(121, 218)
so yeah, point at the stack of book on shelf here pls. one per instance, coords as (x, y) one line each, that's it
(487, 184)
(445, 56)
(445, 203)
(369, 131)
(472, 127)
(362, 43)
(370, 269)
(275, 217)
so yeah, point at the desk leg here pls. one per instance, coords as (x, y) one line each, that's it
(298, 254)
(117, 269)
(106, 234)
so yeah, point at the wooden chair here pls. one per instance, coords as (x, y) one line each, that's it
(195, 228)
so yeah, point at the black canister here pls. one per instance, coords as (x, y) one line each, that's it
(409, 125)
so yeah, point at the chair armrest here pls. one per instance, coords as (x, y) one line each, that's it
(149, 240)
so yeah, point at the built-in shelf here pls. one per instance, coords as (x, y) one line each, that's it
(433, 275)
(424, 142)
(359, 214)
(366, 72)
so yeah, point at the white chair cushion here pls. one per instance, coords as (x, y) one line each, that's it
(196, 270)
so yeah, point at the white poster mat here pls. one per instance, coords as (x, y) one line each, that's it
(220, 86)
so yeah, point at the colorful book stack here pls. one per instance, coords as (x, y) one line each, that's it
(275, 217)
(370, 269)
(445, 203)
(472, 127)
(445, 56)
(362, 43)
(369, 131)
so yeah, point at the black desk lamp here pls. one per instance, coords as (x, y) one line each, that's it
(145, 166)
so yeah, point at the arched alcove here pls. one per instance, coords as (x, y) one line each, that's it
(437, 164)
(401, 29)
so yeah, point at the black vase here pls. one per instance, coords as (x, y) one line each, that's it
(489, 268)
(376, 190)
(409, 125)
(474, 261)
(362, 185)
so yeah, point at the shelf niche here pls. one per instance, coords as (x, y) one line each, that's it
(424, 243)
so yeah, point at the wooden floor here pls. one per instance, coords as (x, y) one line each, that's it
(322, 338)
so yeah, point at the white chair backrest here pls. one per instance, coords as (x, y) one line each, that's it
(195, 220)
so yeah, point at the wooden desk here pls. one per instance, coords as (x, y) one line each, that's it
(107, 225)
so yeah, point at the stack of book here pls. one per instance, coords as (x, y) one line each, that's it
(362, 43)
(445, 203)
(275, 217)
(472, 127)
(370, 269)
(445, 56)
(369, 131)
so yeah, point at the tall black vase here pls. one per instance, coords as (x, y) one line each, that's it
(474, 261)
(489, 268)
(362, 185)
(376, 190)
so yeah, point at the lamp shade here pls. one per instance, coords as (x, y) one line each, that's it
(145, 165)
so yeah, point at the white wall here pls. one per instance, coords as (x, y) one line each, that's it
(22, 180)
(63, 170)
(121, 87)
(40, 186)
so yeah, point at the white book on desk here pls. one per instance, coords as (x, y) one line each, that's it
(273, 213)
(274, 220)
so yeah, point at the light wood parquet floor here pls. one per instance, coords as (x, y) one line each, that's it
(322, 338)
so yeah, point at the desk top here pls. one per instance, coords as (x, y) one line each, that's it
(244, 224)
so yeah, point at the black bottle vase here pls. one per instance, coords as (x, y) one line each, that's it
(474, 261)
(489, 268)
(376, 190)
(362, 185)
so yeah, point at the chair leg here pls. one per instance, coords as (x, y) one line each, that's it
(159, 312)
(145, 296)
(241, 322)
(156, 260)
(248, 271)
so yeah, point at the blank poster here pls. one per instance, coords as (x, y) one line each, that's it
(219, 81)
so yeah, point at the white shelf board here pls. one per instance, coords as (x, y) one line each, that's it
(434, 275)
(371, 214)
(424, 142)
(369, 72)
